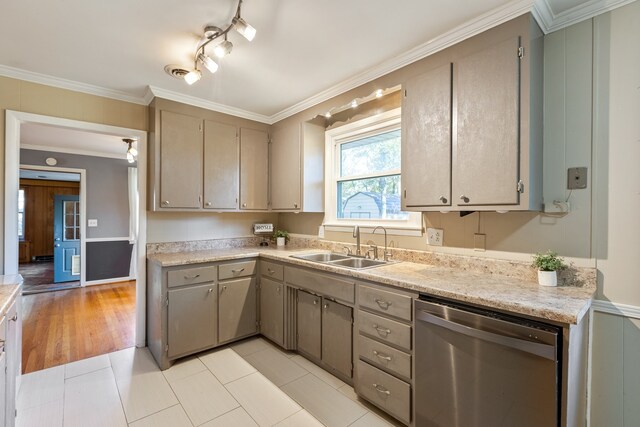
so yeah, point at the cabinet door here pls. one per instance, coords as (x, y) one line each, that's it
(254, 169)
(486, 150)
(13, 349)
(221, 166)
(337, 336)
(426, 140)
(3, 370)
(180, 161)
(192, 319)
(237, 309)
(272, 310)
(286, 168)
(309, 324)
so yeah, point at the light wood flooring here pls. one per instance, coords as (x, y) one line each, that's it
(66, 326)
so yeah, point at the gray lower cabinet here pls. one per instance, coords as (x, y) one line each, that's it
(337, 336)
(3, 369)
(192, 320)
(309, 324)
(272, 310)
(237, 311)
(13, 354)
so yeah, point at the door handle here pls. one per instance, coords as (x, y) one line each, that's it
(57, 239)
(57, 245)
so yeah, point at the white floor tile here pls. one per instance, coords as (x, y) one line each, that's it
(300, 419)
(170, 417)
(85, 366)
(236, 418)
(203, 397)
(348, 391)
(277, 367)
(372, 420)
(47, 415)
(227, 365)
(40, 387)
(132, 361)
(250, 345)
(144, 394)
(324, 402)
(266, 403)
(325, 376)
(184, 368)
(93, 399)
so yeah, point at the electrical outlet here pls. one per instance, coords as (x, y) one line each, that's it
(435, 236)
(480, 242)
(92, 223)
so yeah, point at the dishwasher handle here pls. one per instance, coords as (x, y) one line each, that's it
(543, 350)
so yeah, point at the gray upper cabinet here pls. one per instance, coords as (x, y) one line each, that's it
(181, 163)
(272, 310)
(237, 309)
(192, 319)
(309, 324)
(285, 169)
(221, 172)
(254, 169)
(337, 341)
(486, 155)
(426, 139)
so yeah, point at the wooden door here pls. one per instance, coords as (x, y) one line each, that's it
(486, 154)
(254, 169)
(181, 162)
(309, 324)
(337, 336)
(272, 310)
(426, 139)
(192, 319)
(237, 310)
(286, 168)
(221, 166)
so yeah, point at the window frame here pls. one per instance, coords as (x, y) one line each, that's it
(334, 138)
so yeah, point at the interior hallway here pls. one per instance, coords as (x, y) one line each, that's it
(38, 277)
(66, 326)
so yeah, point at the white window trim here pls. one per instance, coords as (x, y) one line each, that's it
(389, 119)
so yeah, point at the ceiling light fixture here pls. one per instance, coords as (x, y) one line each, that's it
(131, 151)
(222, 49)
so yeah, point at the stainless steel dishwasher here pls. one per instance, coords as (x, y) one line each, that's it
(475, 367)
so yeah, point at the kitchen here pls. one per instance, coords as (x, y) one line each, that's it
(589, 110)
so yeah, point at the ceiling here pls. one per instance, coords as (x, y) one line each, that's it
(302, 47)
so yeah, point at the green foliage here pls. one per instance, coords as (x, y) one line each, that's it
(281, 233)
(548, 261)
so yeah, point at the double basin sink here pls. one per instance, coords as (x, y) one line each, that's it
(340, 260)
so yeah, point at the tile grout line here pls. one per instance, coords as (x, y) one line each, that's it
(118, 390)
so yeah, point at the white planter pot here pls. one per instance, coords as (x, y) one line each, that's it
(280, 241)
(547, 278)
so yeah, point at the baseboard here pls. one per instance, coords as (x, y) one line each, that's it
(616, 308)
(107, 281)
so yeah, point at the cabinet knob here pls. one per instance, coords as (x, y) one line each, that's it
(244, 205)
(464, 198)
(208, 204)
(14, 318)
(210, 290)
(315, 301)
(165, 203)
(295, 205)
(224, 288)
(443, 199)
(279, 289)
(326, 306)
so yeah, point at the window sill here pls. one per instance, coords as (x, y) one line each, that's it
(392, 230)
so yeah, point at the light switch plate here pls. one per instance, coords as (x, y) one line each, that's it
(435, 236)
(577, 178)
(92, 223)
(480, 242)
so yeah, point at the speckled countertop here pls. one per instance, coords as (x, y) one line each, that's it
(564, 304)
(10, 287)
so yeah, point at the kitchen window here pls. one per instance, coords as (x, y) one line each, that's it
(363, 176)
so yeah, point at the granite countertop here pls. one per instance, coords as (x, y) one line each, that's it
(564, 304)
(10, 288)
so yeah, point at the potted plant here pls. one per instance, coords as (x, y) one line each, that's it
(281, 237)
(548, 264)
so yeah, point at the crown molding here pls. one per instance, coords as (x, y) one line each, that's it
(583, 12)
(209, 105)
(30, 76)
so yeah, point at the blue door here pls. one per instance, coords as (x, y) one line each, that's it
(66, 238)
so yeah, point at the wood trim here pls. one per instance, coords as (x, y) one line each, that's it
(48, 183)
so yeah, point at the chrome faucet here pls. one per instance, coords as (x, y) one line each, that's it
(387, 253)
(356, 234)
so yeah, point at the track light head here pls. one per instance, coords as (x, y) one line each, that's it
(241, 26)
(223, 49)
(192, 76)
(209, 63)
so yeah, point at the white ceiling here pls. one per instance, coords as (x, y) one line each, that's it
(302, 47)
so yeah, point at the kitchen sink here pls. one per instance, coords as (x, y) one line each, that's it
(322, 257)
(340, 260)
(359, 263)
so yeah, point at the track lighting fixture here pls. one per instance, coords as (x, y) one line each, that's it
(132, 153)
(222, 49)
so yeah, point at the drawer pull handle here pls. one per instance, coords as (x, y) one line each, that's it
(14, 318)
(270, 271)
(382, 356)
(381, 389)
(192, 277)
(382, 331)
(382, 303)
(238, 271)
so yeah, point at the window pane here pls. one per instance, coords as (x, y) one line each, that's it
(374, 154)
(371, 198)
(68, 207)
(20, 225)
(68, 234)
(20, 200)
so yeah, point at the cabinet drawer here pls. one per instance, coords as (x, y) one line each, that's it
(271, 270)
(381, 355)
(389, 303)
(330, 286)
(191, 276)
(386, 391)
(236, 269)
(385, 330)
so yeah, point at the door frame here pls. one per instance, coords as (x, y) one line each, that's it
(83, 210)
(13, 120)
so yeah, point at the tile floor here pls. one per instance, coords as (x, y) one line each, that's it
(251, 383)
